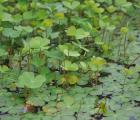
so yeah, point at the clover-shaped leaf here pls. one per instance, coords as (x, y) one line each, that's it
(68, 65)
(7, 17)
(36, 43)
(28, 15)
(77, 33)
(72, 5)
(71, 31)
(27, 79)
(68, 50)
(9, 32)
(80, 33)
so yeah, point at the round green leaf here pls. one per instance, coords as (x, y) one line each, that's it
(27, 79)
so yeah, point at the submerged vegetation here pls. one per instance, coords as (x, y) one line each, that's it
(69, 60)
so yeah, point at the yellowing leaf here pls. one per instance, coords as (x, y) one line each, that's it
(127, 71)
(48, 23)
(59, 15)
(124, 30)
(105, 48)
(71, 31)
(70, 79)
(49, 110)
(97, 63)
(103, 107)
(111, 9)
(45, 109)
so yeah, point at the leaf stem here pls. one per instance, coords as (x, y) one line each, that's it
(125, 42)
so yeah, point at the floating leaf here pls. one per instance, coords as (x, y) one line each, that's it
(27, 79)
(68, 100)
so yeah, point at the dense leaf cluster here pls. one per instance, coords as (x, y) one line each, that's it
(69, 59)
